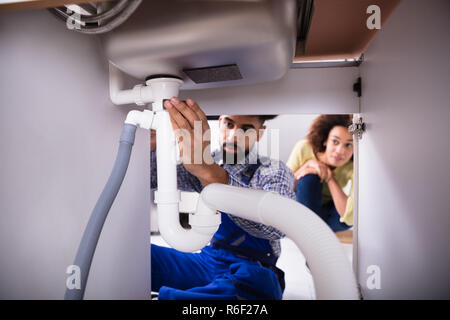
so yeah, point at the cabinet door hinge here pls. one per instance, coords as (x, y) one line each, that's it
(357, 127)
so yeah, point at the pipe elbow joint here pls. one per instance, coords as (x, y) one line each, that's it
(206, 220)
(142, 118)
(205, 224)
(142, 94)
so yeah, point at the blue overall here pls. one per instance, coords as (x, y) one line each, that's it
(236, 265)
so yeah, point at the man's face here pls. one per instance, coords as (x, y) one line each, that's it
(238, 134)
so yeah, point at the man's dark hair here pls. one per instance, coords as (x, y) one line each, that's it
(266, 117)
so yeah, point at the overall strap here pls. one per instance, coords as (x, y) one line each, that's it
(265, 258)
(249, 172)
(247, 176)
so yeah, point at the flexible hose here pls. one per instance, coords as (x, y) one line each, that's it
(331, 271)
(94, 227)
(126, 10)
(117, 8)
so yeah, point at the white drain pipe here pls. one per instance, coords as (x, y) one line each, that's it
(330, 268)
(139, 95)
(205, 222)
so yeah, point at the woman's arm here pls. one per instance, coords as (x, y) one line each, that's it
(338, 195)
(313, 167)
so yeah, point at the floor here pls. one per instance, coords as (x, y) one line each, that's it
(299, 283)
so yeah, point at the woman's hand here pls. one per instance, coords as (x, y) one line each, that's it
(317, 167)
(313, 166)
(303, 171)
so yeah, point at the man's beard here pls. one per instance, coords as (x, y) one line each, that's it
(231, 157)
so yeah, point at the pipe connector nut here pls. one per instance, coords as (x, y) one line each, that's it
(137, 95)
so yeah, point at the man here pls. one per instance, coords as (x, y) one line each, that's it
(240, 261)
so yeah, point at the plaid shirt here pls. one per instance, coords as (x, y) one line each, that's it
(271, 175)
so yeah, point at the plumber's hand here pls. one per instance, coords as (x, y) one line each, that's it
(193, 134)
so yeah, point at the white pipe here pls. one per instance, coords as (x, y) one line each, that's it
(204, 223)
(163, 88)
(139, 95)
(330, 268)
(142, 118)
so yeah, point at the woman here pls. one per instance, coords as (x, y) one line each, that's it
(322, 166)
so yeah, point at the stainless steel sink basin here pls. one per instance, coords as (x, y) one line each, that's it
(208, 43)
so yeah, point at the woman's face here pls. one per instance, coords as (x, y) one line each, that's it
(339, 146)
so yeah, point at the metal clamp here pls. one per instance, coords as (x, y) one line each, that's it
(357, 128)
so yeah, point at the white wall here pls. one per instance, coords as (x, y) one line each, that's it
(300, 91)
(404, 209)
(290, 128)
(60, 135)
